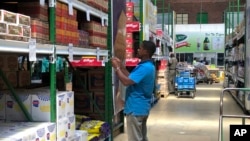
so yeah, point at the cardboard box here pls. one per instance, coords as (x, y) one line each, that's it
(99, 99)
(83, 103)
(71, 126)
(40, 106)
(14, 30)
(50, 131)
(2, 106)
(3, 28)
(96, 80)
(11, 77)
(9, 62)
(61, 127)
(8, 17)
(69, 103)
(61, 105)
(23, 78)
(13, 111)
(23, 20)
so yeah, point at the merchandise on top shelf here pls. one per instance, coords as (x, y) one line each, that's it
(34, 10)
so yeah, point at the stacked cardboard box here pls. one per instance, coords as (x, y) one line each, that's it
(99, 4)
(14, 26)
(129, 35)
(97, 33)
(66, 25)
(39, 19)
(162, 78)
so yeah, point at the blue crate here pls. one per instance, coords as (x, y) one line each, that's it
(185, 86)
(185, 74)
(191, 86)
(192, 80)
(179, 80)
(180, 87)
(185, 80)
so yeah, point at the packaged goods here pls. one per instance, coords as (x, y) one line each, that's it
(3, 28)
(23, 19)
(8, 17)
(15, 30)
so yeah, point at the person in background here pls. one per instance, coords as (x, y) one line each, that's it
(140, 87)
(194, 61)
(172, 63)
(204, 61)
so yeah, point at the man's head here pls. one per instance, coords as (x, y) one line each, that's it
(146, 50)
(171, 55)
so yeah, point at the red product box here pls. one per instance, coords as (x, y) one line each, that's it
(130, 7)
(129, 16)
(129, 35)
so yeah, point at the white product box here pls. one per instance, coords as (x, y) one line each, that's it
(71, 126)
(61, 127)
(61, 105)
(8, 17)
(50, 131)
(40, 106)
(70, 103)
(2, 106)
(40, 134)
(13, 111)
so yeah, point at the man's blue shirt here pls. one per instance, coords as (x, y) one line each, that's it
(138, 95)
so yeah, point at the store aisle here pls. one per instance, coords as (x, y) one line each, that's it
(187, 119)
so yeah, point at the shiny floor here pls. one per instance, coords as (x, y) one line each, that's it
(187, 119)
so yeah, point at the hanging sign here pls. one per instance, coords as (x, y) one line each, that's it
(32, 49)
(133, 27)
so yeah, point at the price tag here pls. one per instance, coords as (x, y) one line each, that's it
(52, 3)
(71, 52)
(32, 49)
(42, 2)
(70, 7)
(88, 15)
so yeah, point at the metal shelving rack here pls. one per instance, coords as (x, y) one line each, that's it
(232, 19)
(18, 47)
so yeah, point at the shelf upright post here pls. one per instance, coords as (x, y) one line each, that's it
(52, 4)
(163, 16)
(108, 73)
(141, 21)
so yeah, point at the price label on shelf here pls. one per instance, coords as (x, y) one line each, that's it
(32, 49)
(70, 7)
(70, 52)
(88, 15)
(42, 2)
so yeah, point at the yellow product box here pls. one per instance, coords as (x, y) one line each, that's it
(13, 110)
(2, 106)
(69, 103)
(71, 123)
(61, 99)
(61, 127)
(40, 106)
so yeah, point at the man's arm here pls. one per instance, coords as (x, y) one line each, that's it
(123, 76)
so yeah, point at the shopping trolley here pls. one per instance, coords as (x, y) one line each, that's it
(220, 137)
(185, 83)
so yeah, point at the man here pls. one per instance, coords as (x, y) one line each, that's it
(140, 86)
(172, 73)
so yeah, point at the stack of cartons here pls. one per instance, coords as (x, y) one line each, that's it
(162, 78)
(14, 26)
(39, 19)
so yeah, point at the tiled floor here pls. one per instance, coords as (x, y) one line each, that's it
(187, 119)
